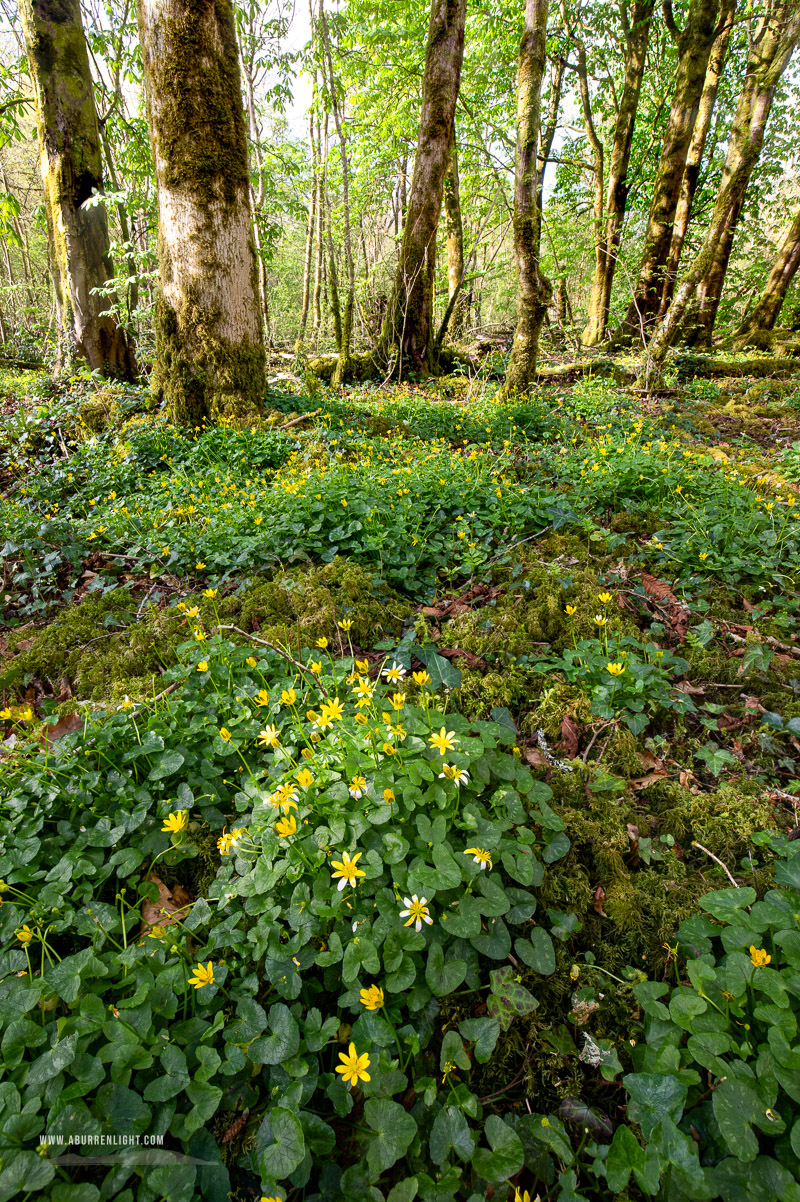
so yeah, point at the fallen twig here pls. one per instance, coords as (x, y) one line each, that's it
(716, 860)
(280, 651)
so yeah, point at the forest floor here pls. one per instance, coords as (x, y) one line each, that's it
(602, 590)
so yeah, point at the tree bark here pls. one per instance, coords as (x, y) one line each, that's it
(694, 157)
(209, 342)
(409, 319)
(694, 47)
(322, 189)
(312, 220)
(765, 313)
(71, 166)
(455, 240)
(533, 288)
(770, 51)
(636, 31)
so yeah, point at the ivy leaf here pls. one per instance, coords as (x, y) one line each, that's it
(508, 998)
(506, 1156)
(394, 1130)
(283, 1155)
(450, 1131)
(443, 977)
(715, 757)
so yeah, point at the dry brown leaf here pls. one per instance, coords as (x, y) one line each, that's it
(753, 703)
(172, 906)
(66, 725)
(534, 757)
(599, 898)
(642, 782)
(693, 690)
(569, 737)
(648, 760)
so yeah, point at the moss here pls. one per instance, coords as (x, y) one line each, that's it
(101, 412)
(723, 821)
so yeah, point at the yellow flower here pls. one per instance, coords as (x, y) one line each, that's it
(200, 635)
(304, 778)
(362, 665)
(307, 753)
(225, 734)
(332, 711)
(286, 826)
(202, 976)
(284, 798)
(198, 567)
(251, 661)
(484, 858)
(24, 934)
(345, 624)
(372, 998)
(262, 697)
(759, 956)
(202, 666)
(423, 678)
(156, 932)
(600, 620)
(388, 795)
(323, 642)
(346, 871)
(5, 714)
(574, 972)
(316, 666)
(353, 1067)
(210, 593)
(397, 701)
(615, 669)
(445, 741)
(388, 749)
(605, 598)
(268, 737)
(358, 787)
(176, 821)
(288, 697)
(25, 713)
(570, 609)
(416, 912)
(361, 719)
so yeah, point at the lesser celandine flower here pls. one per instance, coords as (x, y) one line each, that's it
(288, 697)
(372, 998)
(358, 787)
(286, 826)
(24, 934)
(202, 666)
(304, 778)
(345, 624)
(484, 858)
(600, 620)
(225, 734)
(397, 701)
(759, 956)
(251, 661)
(570, 610)
(361, 719)
(268, 737)
(199, 566)
(228, 839)
(346, 871)
(284, 798)
(262, 697)
(605, 598)
(615, 669)
(176, 821)
(332, 711)
(423, 678)
(323, 642)
(210, 593)
(459, 776)
(200, 635)
(443, 742)
(353, 1067)
(316, 666)
(416, 911)
(388, 795)
(156, 932)
(395, 673)
(203, 975)
(362, 665)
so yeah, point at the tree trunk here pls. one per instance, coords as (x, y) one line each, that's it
(409, 319)
(533, 289)
(636, 29)
(455, 241)
(548, 133)
(694, 47)
(71, 165)
(765, 313)
(770, 51)
(322, 181)
(312, 220)
(694, 158)
(346, 335)
(210, 361)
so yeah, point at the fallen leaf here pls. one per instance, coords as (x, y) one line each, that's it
(569, 737)
(753, 703)
(642, 782)
(66, 725)
(693, 690)
(172, 906)
(534, 757)
(599, 898)
(648, 760)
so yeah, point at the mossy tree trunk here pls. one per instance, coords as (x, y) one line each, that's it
(312, 222)
(533, 288)
(765, 313)
(694, 158)
(771, 47)
(71, 165)
(455, 241)
(694, 44)
(209, 338)
(636, 32)
(409, 319)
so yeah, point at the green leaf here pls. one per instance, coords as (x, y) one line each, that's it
(715, 757)
(280, 1158)
(654, 1096)
(452, 1051)
(509, 999)
(483, 1032)
(539, 954)
(625, 1156)
(736, 1106)
(206, 1099)
(443, 978)
(450, 1131)
(405, 1190)
(725, 904)
(166, 764)
(506, 1156)
(283, 1041)
(394, 1130)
